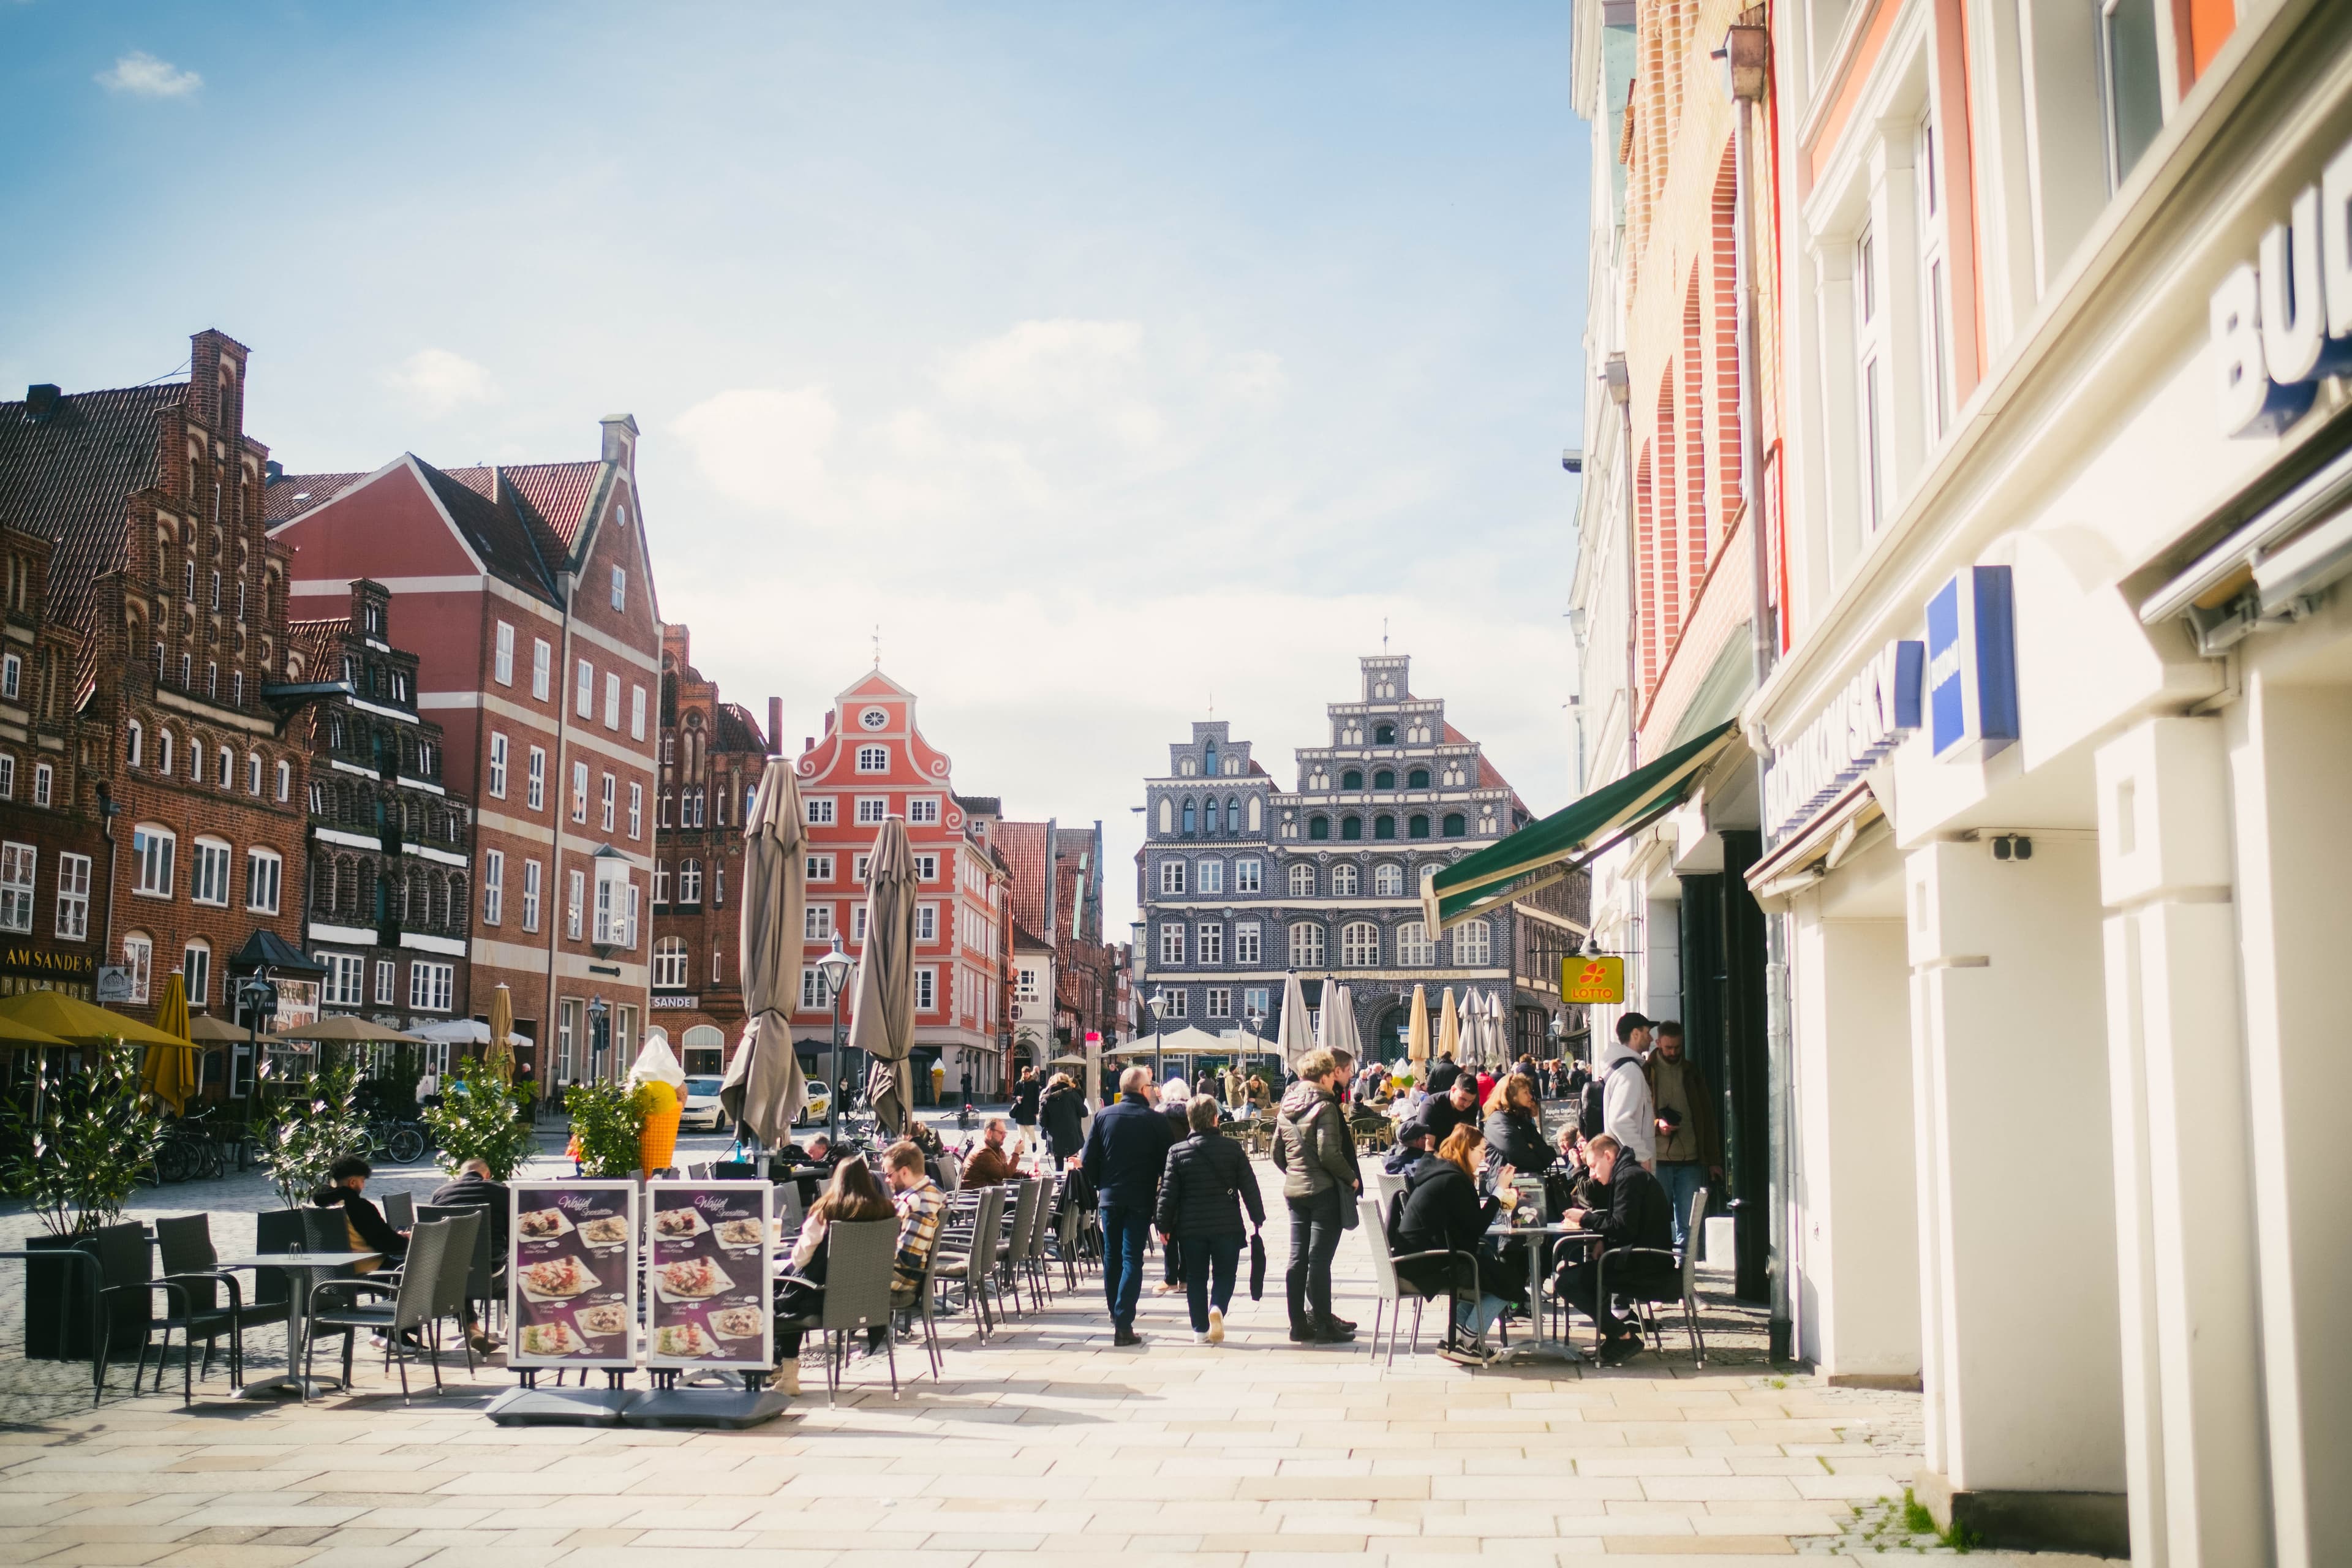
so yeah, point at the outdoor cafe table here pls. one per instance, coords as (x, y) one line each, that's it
(301, 1268)
(1537, 1344)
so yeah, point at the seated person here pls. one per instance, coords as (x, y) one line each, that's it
(1446, 1109)
(923, 1209)
(1414, 1145)
(473, 1188)
(346, 1179)
(852, 1195)
(1443, 1209)
(992, 1165)
(1639, 1214)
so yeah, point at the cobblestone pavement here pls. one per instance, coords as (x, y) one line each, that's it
(1047, 1447)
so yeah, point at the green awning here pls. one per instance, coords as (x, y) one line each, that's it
(1543, 852)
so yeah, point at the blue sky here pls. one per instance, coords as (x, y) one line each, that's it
(1112, 359)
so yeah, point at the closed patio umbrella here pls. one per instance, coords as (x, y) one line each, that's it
(169, 1073)
(883, 1026)
(765, 1088)
(1339, 1033)
(1416, 1034)
(498, 1050)
(1449, 1029)
(1295, 1036)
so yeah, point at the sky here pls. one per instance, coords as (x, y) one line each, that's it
(1112, 365)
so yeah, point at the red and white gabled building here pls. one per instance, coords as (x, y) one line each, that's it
(528, 594)
(871, 764)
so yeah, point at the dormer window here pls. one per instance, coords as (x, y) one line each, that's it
(873, 759)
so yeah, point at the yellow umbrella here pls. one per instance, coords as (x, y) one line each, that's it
(1449, 1029)
(74, 1022)
(498, 1054)
(1416, 1035)
(171, 1071)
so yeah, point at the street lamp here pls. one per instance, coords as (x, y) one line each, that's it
(832, 973)
(600, 1036)
(1159, 1007)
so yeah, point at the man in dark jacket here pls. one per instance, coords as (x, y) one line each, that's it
(1442, 1113)
(1125, 1154)
(1636, 1217)
(347, 1180)
(473, 1188)
(1690, 1143)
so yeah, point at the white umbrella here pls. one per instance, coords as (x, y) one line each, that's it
(765, 1088)
(1296, 1035)
(449, 1031)
(1338, 1030)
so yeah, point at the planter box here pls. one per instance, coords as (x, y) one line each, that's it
(58, 1302)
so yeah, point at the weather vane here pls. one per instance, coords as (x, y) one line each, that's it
(877, 644)
(1384, 633)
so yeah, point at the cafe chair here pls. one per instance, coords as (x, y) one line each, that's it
(126, 1295)
(858, 1254)
(216, 1302)
(399, 1210)
(1016, 1239)
(973, 1262)
(485, 1272)
(409, 1310)
(1641, 1295)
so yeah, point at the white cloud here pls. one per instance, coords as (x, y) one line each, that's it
(142, 75)
(762, 447)
(437, 382)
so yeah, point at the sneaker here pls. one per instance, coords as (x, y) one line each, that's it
(1201, 1338)
(1216, 1325)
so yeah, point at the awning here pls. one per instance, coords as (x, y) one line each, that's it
(1543, 852)
(2294, 548)
(1820, 848)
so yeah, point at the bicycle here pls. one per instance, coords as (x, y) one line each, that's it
(403, 1140)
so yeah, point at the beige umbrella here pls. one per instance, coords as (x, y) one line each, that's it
(1449, 1029)
(347, 1029)
(1295, 1037)
(207, 1030)
(884, 1024)
(498, 1054)
(765, 1088)
(1416, 1034)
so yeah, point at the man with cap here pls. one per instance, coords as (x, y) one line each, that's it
(1628, 1113)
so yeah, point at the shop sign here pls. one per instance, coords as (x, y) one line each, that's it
(47, 962)
(1971, 666)
(114, 983)
(298, 1005)
(2281, 321)
(661, 1002)
(1592, 982)
(1870, 718)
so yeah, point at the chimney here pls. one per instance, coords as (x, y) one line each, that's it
(808, 742)
(619, 447)
(776, 727)
(272, 471)
(41, 400)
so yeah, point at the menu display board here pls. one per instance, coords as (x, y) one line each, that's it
(710, 1251)
(571, 1271)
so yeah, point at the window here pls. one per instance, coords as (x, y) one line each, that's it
(1360, 944)
(1171, 942)
(816, 923)
(575, 905)
(1471, 945)
(873, 759)
(661, 883)
(637, 712)
(926, 922)
(857, 923)
(1388, 881)
(1213, 875)
(7, 776)
(611, 702)
(926, 989)
(265, 876)
(530, 895)
(926, 868)
(1351, 827)
(1212, 937)
(1305, 945)
(284, 779)
(718, 966)
(387, 983)
(152, 851)
(1246, 950)
(689, 882)
(17, 865)
(820, 810)
(503, 670)
(1221, 1001)
(620, 589)
(535, 781)
(584, 701)
(1868, 352)
(498, 766)
(636, 810)
(139, 958)
(43, 777)
(1417, 826)
(1414, 950)
(1171, 875)
(857, 866)
(1345, 880)
(669, 964)
(1192, 819)
(494, 885)
(1353, 778)
(924, 809)
(543, 667)
(1171, 1003)
(1936, 357)
(818, 867)
(236, 688)
(813, 997)
(1456, 824)
(12, 677)
(580, 792)
(872, 809)
(606, 820)
(226, 777)
(2130, 69)
(1384, 826)
(567, 1030)
(429, 986)
(1214, 816)
(253, 773)
(73, 896)
(136, 744)
(1417, 779)
(164, 752)
(346, 981)
(187, 666)
(197, 971)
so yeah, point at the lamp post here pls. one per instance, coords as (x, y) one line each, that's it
(1159, 1007)
(832, 973)
(600, 1036)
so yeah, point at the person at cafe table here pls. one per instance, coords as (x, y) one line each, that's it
(852, 1195)
(347, 1180)
(992, 1165)
(1637, 1217)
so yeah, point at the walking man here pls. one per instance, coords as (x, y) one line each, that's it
(1126, 1152)
(1317, 1157)
(1690, 1140)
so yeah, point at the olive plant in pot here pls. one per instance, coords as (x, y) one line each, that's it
(608, 1124)
(75, 1161)
(310, 1130)
(481, 1117)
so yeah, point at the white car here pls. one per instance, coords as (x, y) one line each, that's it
(701, 1112)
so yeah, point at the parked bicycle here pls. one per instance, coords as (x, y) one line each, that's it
(192, 1150)
(404, 1141)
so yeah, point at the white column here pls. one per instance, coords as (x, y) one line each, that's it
(2017, 1234)
(2184, 1210)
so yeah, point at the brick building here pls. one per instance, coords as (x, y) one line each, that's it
(872, 763)
(389, 874)
(711, 756)
(47, 939)
(174, 772)
(528, 594)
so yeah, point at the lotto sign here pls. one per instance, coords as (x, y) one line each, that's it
(1592, 982)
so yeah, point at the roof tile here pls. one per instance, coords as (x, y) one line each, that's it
(67, 476)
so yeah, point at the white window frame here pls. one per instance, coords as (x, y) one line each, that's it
(926, 867)
(873, 759)
(927, 990)
(611, 702)
(498, 747)
(579, 793)
(284, 779)
(926, 922)
(139, 958)
(542, 669)
(1209, 943)
(620, 589)
(923, 810)
(502, 666)
(1873, 410)
(1219, 1001)
(1171, 942)
(609, 803)
(689, 882)
(1414, 948)
(575, 905)
(1248, 949)
(1359, 945)
(1174, 1002)
(818, 866)
(530, 895)
(430, 985)
(535, 780)
(44, 780)
(265, 880)
(73, 897)
(387, 982)
(1302, 879)
(1212, 874)
(1249, 875)
(1388, 880)
(816, 923)
(19, 878)
(669, 964)
(1308, 944)
(154, 851)
(1171, 875)
(637, 712)
(637, 809)
(819, 810)
(197, 971)
(346, 981)
(494, 885)
(1474, 945)
(1935, 316)
(583, 699)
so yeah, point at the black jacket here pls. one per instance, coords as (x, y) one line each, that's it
(1441, 1073)
(1439, 1114)
(371, 1231)
(1062, 1117)
(470, 1191)
(1024, 1103)
(1207, 1172)
(1514, 1139)
(1639, 1214)
(1442, 1209)
(1126, 1152)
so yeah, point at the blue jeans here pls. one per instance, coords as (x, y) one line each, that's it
(1209, 1264)
(1682, 1179)
(1125, 1233)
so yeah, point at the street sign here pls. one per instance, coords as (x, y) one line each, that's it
(1592, 982)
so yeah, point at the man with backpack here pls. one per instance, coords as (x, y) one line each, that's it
(1617, 1101)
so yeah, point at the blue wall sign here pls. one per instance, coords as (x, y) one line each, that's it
(1971, 666)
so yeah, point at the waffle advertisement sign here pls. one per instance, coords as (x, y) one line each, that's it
(571, 1271)
(711, 1249)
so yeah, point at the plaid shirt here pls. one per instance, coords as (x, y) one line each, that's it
(922, 1210)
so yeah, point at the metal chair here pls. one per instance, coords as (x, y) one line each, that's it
(1395, 1289)
(972, 1266)
(1016, 1237)
(1688, 1283)
(184, 1247)
(400, 1210)
(126, 1294)
(464, 1246)
(1641, 1292)
(486, 1260)
(410, 1309)
(858, 1254)
(1032, 1255)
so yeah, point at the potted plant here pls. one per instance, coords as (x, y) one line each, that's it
(608, 1125)
(307, 1132)
(481, 1117)
(75, 1162)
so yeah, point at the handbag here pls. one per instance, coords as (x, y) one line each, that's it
(1258, 1266)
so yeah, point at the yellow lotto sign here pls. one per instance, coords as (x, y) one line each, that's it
(1588, 981)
